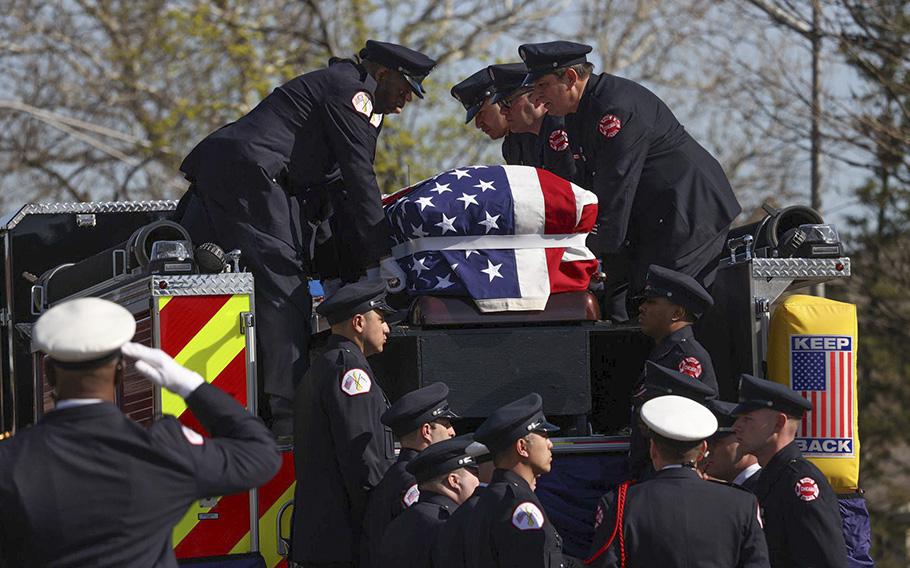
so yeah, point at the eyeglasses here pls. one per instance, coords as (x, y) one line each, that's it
(507, 103)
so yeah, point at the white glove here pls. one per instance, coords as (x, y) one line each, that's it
(160, 368)
(391, 272)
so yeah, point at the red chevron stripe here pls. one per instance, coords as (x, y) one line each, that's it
(232, 380)
(185, 316)
(214, 537)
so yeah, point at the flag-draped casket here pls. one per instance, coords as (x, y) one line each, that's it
(506, 236)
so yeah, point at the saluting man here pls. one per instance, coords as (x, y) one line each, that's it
(800, 511)
(447, 476)
(418, 419)
(677, 519)
(475, 95)
(508, 526)
(87, 486)
(663, 199)
(312, 139)
(549, 147)
(343, 450)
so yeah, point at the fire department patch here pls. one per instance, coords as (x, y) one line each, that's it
(598, 517)
(376, 120)
(527, 517)
(411, 496)
(362, 103)
(559, 140)
(192, 436)
(807, 489)
(690, 366)
(356, 381)
(609, 125)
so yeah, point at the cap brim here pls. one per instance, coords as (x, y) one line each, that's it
(747, 406)
(500, 96)
(415, 85)
(547, 427)
(472, 112)
(449, 414)
(533, 76)
(721, 433)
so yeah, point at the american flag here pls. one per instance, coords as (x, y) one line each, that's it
(822, 371)
(506, 236)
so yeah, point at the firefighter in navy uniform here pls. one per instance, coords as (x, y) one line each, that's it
(725, 460)
(663, 198)
(87, 486)
(800, 510)
(343, 450)
(418, 419)
(508, 526)
(549, 143)
(475, 95)
(671, 303)
(312, 139)
(677, 519)
(447, 476)
(658, 381)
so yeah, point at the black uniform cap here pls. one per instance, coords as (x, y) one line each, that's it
(660, 381)
(418, 407)
(680, 289)
(547, 57)
(755, 393)
(415, 66)
(513, 421)
(473, 91)
(442, 458)
(723, 411)
(507, 78)
(353, 299)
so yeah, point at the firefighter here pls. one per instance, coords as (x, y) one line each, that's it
(799, 508)
(725, 460)
(87, 486)
(658, 381)
(446, 476)
(550, 148)
(671, 303)
(418, 419)
(343, 450)
(312, 140)
(475, 93)
(663, 198)
(676, 518)
(508, 526)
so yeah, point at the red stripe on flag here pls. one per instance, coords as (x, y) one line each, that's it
(558, 203)
(849, 417)
(836, 410)
(184, 316)
(232, 380)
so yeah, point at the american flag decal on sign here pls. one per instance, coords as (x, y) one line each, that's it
(821, 369)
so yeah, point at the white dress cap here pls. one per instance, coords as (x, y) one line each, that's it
(83, 330)
(678, 418)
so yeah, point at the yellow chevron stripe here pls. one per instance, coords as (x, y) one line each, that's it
(163, 301)
(268, 537)
(212, 349)
(188, 522)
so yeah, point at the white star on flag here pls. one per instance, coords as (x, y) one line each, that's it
(492, 270)
(425, 202)
(419, 266)
(417, 231)
(489, 222)
(441, 188)
(447, 224)
(454, 266)
(468, 253)
(485, 185)
(461, 173)
(443, 283)
(468, 199)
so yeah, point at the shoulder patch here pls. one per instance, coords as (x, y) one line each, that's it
(527, 517)
(192, 436)
(411, 496)
(609, 125)
(807, 489)
(376, 120)
(362, 103)
(559, 140)
(690, 366)
(356, 381)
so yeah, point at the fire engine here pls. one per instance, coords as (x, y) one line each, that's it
(197, 304)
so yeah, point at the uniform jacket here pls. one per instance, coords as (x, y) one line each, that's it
(449, 544)
(677, 519)
(87, 486)
(508, 528)
(395, 492)
(801, 514)
(660, 193)
(315, 129)
(343, 452)
(408, 540)
(549, 149)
